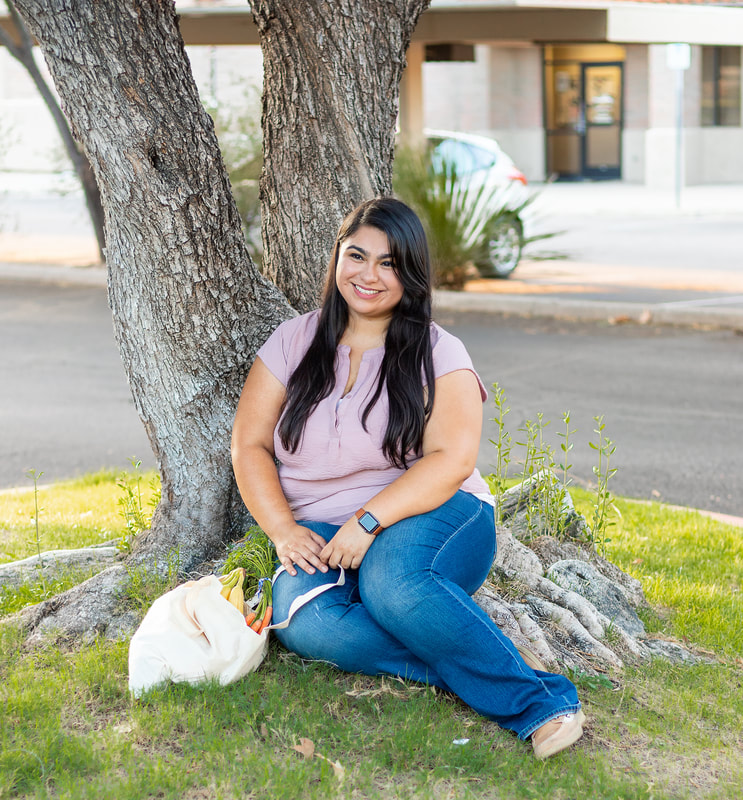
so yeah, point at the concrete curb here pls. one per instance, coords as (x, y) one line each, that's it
(519, 305)
(588, 310)
(53, 273)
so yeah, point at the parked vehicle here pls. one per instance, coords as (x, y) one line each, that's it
(490, 175)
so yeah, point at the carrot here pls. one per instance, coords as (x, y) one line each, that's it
(266, 619)
(256, 624)
(249, 619)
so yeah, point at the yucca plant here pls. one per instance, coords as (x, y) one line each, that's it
(462, 224)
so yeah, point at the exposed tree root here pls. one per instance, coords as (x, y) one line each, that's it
(563, 606)
(561, 601)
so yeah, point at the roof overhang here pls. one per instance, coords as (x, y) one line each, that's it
(526, 21)
(516, 21)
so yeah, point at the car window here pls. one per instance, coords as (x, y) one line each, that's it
(466, 158)
(482, 159)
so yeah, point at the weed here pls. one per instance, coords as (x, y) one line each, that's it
(611, 634)
(497, 481)
(546, 509)
(34, 475)
(137, 515)
(546, 497)
(584, 680)
(604, 500)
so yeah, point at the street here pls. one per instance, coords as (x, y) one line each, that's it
(670, 397)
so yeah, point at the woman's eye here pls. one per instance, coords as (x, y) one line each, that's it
(387, 264)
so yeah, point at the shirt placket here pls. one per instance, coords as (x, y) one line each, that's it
(346, 405)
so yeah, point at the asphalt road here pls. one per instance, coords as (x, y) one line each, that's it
(670, 398)
(65, 406)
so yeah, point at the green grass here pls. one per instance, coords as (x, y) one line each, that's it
(71, 514)
(68, 728)
(690, 567)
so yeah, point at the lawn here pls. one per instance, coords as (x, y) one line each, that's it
(299, 730)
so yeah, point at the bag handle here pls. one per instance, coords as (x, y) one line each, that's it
(305, 598)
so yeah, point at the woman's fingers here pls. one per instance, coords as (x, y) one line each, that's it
(304, 551)
(317, 539)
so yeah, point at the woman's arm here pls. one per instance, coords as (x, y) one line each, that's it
(450, 445)
(257, 478)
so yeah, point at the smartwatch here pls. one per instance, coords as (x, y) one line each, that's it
(368, 522)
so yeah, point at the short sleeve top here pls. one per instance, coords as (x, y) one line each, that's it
(339, 466)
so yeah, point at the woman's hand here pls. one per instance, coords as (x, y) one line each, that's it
(348, 547)
(302, 547)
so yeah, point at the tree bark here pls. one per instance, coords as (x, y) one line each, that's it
(22, 50)
(332, 71)
(189, 308)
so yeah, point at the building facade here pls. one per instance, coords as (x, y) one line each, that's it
(624, 89)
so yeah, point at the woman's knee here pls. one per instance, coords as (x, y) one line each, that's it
(453, 543)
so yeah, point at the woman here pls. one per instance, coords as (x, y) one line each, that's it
(374, 413)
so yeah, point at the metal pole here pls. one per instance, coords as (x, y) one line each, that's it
(679, 134)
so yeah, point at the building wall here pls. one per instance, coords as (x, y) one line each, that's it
(708, 154)
(499, 95)
(516, 106)
(636, 112)
(455, 93)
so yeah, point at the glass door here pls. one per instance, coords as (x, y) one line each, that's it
(601, 120)
(564, 119)
(583, 116)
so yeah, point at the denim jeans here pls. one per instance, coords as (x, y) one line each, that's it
(408, 611)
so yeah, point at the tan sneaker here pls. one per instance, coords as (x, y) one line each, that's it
(557, 734)
(531, 659)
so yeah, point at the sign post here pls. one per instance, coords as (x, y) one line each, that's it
(678, 58)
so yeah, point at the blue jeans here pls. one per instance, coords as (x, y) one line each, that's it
(408, 611)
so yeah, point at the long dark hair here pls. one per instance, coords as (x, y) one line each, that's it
(407, 349)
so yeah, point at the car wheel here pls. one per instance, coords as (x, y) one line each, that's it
(504, 249)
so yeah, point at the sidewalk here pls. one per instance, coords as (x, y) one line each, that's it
(49, 239)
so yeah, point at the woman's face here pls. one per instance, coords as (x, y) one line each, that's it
(365, 274)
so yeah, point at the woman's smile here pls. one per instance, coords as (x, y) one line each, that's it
(364, 292)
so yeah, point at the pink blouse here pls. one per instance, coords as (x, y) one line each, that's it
(339, 466)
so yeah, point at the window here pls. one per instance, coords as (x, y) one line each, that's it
(721, 87)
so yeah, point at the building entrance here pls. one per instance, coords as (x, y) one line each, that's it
(583, 110)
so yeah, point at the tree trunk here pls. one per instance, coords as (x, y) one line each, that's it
(189, 307)
(22, 50)
(332, 71)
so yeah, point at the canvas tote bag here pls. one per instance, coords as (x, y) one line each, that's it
(192, 634)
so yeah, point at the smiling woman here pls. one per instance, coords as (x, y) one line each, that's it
(375, 414)
(366, 277)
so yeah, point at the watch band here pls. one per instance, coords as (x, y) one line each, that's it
(368, 522)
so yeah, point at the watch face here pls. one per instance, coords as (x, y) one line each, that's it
(368, 522)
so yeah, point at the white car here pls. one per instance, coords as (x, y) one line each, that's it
(480, 162)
